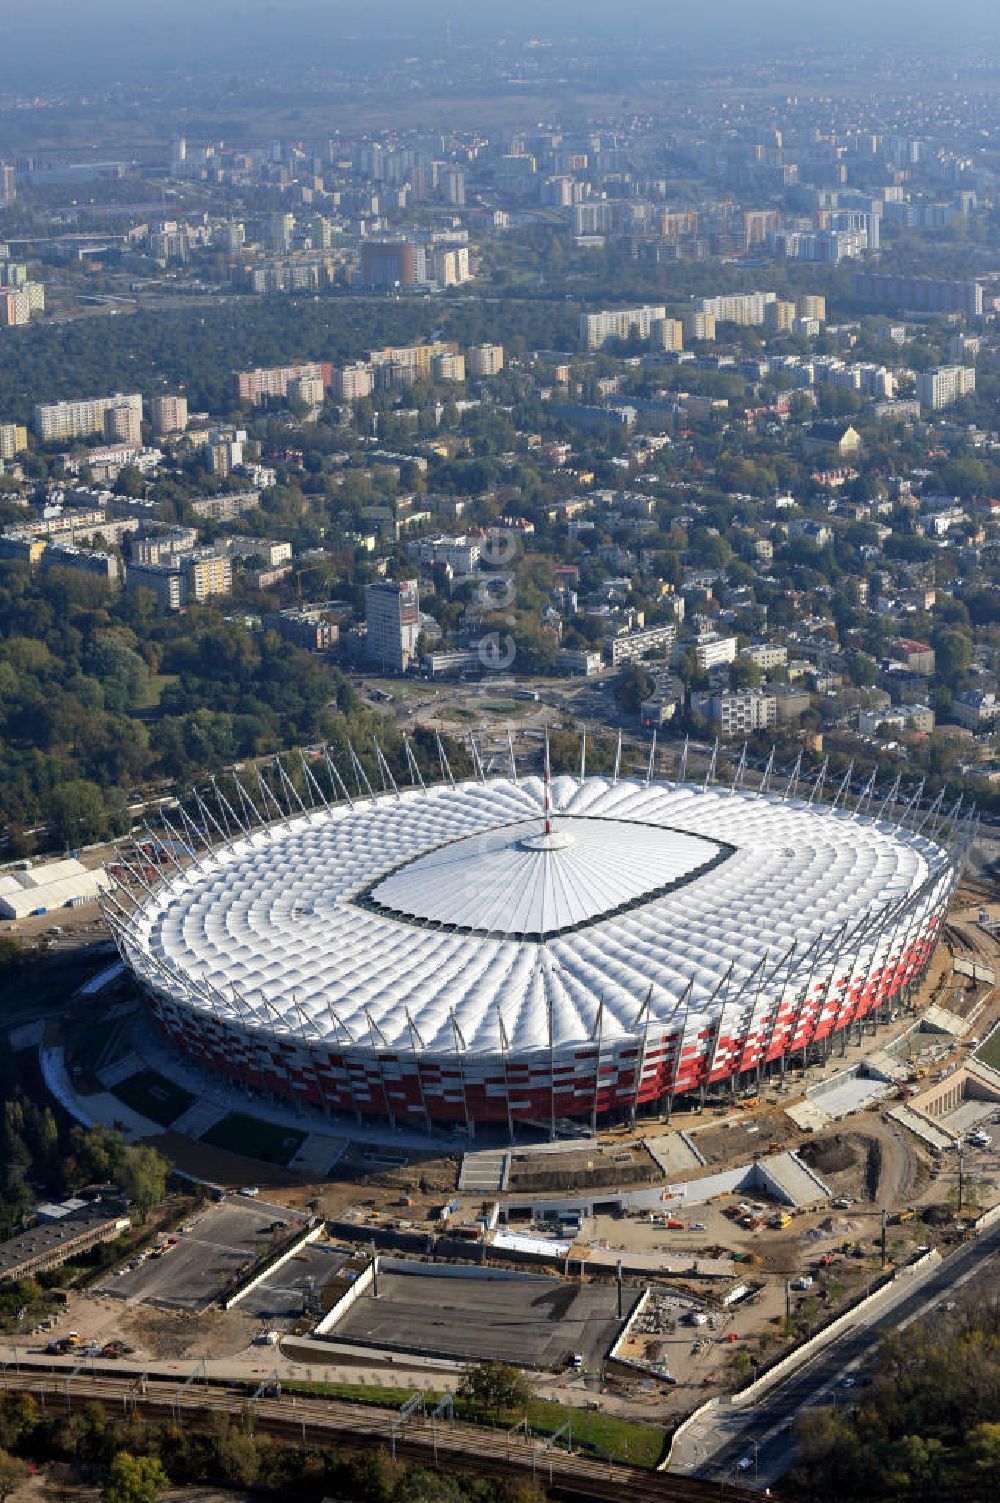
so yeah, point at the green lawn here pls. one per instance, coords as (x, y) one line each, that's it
(603, 1434)
(509, 707)
(154, 1096)
(154, 690)
(989, 1050)
(258, 1140)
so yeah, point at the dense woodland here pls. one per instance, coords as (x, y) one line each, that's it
(102, 698)
(927, 1426)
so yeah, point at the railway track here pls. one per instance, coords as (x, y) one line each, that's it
(302, 1420)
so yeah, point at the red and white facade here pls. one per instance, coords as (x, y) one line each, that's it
(454, 955)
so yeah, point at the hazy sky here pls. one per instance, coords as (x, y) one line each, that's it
(100, 39)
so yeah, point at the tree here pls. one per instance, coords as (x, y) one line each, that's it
(862, 669)
(953, 654)
(495, 1386)
(983, 1445)
(143, 1177)
(744, 674)
(238, 1457)
(12, 1473)
(635, 685)
(78, 813)
(134, 1479)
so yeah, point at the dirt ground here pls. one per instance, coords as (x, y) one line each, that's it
(426, 1180)
(160, 1333)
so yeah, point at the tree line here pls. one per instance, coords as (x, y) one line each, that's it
(134, 1460)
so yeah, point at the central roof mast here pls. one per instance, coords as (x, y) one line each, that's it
(547, 786)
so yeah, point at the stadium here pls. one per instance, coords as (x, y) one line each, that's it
(514, 949)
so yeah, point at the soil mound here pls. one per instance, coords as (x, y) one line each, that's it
(829, 1155)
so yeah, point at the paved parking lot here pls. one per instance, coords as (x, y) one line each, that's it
(217, 1243)
(532, 1322)
(294, 1286)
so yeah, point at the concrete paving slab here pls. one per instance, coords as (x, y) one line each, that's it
(847, 1093)
(198, 1119)
(319, 1153)
(927, 1131)
(530, 1321)
(483, 1173)
(968, 1116)
(121, 1069)
(808, 1116)
(940, 1020)
(674, 1154)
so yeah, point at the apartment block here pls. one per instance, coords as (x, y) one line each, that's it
(118, 418)
(13, 440)
(736, 712)
(392, 263)
(168, 414)
(812, 305)
(667, 334)
(698, 325)
(351, 383)
(746, 308)
(630, 647)
(779, 317)
(392, 615)
(923, 294)
(619, 323)
(448, 367)
(713, 651)
(207, 575)
(307, 626)
(164, 580)
(258, 385)
(484, 359)
(948, 384)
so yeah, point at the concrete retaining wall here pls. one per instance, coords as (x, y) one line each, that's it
(361, 1285)
(689, 1142)
(453, 1270)
(282, 1258)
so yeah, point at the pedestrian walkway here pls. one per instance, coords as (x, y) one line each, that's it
(319, 1154)
(485, 1172)
(99, 1109)
(198, 1119)
(675, 1153)
(113, 1074)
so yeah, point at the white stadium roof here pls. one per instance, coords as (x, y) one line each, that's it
(450, 907)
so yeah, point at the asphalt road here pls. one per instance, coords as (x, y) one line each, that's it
(769, 1423)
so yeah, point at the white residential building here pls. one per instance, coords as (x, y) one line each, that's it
(947, 384)
(117, 417)
(619, 323)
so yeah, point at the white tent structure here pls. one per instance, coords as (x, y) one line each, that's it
(55, 884)
(502, 949)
